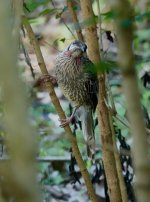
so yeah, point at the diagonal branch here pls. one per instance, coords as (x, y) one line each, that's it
(60, 112)
(75, 19)
(64, 21)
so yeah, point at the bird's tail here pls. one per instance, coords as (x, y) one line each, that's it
(88, 130)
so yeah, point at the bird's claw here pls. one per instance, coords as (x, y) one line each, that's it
(65, 122)
(46, 78)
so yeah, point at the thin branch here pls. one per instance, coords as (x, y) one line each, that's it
(126, 123)
(64, 21)
(75, 19)
(60, 111)
(114, 113)
(27, 58)
(43, 159)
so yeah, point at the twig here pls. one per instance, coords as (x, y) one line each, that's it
(44, 159)
(64, 21)
(48, 159)
(116, 116)
(60, 111)
(75, 20)
(113, 107)
(126, 123)
(27, 58)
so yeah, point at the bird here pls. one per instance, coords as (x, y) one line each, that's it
(76, 77)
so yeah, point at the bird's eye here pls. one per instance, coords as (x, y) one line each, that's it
(85, 47)
(73, 43)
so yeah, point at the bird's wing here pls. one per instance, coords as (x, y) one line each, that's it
(91, 81)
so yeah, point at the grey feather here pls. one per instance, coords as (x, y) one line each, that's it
(86, 117)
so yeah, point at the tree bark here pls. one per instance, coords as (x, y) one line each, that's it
(106, 138)
(124, 23)
(102, 110)
(122, 184)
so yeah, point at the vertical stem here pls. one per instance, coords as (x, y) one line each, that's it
(106, 138)
(117, 156)
(126, 60)
(91, 37)
(118, 164)
(19, 172)
(102, 110)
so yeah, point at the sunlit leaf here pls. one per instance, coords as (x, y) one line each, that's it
(63, 40)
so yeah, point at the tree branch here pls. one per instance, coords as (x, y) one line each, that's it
(112, 114)
(102, 110)
(64, 21)
(60, 112)
(75, 20)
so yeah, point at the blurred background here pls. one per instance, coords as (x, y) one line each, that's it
(54, 30)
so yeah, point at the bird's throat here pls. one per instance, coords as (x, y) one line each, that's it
(78, 61)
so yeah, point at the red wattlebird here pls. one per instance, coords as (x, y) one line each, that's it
(77, 79)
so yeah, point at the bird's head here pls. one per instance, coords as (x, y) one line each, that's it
(77, 45)
(76, 49)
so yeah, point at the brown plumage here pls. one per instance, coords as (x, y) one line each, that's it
(75, 76)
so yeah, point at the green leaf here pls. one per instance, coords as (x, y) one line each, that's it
(63, 40)
(103, 67)
(108, 15)
(33, 4)
(55, 43)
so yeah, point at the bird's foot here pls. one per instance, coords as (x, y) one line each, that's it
(46, 78)
(40, 82)
(65, 122)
